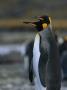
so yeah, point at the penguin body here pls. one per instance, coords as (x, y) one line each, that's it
(46, 61)
(52, 72)
(46, 64)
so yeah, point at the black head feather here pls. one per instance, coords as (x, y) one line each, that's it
(45, 19)
(38, 25)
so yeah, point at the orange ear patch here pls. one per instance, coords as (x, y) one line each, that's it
(44, 25)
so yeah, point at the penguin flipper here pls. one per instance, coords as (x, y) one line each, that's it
(31, 71)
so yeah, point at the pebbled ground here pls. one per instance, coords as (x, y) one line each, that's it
(15, 77)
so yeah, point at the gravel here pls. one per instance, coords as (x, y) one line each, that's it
(15, 77)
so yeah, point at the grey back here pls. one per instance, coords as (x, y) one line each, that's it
(49, 63)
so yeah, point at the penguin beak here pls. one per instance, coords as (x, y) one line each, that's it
(26, 22)
(33, 23)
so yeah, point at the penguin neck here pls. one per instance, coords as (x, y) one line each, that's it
(50, 26)
(44, 32)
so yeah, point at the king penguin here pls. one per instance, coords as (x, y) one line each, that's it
(46, 61)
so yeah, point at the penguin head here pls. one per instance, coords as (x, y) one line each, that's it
(37, 24)
(42, 23)
(46, 21)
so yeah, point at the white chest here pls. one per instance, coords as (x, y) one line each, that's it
(36, 58)
(36, 54)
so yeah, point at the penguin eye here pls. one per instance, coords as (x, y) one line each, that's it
(44, 25)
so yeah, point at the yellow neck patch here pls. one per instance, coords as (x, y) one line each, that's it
(44, 25)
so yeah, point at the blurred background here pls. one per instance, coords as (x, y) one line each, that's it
(16, 38)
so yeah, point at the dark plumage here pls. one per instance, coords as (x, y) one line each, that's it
(45, 19)
(38, 25)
